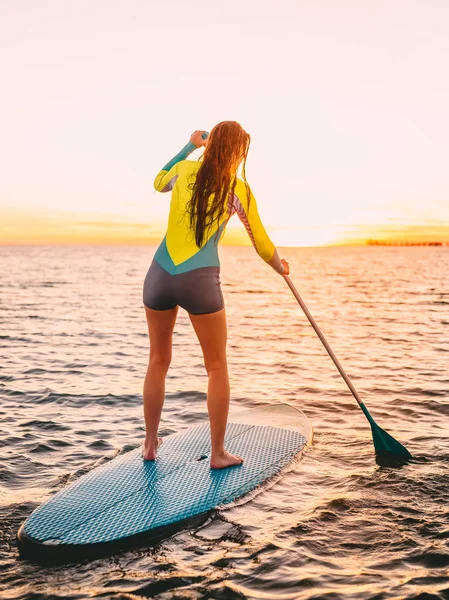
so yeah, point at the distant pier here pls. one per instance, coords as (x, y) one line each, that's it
(403, 243)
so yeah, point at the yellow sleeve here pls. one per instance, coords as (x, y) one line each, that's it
(249, 216)
(165, 180)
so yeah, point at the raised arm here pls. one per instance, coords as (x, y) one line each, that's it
(249, 216)
(166, 178)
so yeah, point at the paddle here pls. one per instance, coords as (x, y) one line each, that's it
(385, 445)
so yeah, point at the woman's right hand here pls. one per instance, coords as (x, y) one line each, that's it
(286, 266)
(197, 139)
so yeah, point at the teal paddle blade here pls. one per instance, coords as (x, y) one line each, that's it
(388, 450)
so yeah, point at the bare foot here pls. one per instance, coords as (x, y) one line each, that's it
(149, 451)
(224, 460)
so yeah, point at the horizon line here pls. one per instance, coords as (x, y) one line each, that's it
(368, 242)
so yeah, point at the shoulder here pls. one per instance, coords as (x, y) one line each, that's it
(188, 165)
(242, 190)
(241, 186)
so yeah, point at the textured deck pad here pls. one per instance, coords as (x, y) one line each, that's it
(128, 495)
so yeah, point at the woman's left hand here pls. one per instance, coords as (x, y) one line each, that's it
(197, 140)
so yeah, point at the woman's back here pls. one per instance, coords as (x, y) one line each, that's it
(178, 252)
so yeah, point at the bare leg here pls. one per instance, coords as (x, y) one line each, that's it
(160, 329)
(212, 334)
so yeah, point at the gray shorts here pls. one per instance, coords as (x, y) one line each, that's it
(197, 291)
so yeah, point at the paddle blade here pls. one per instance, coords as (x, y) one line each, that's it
(388, 450)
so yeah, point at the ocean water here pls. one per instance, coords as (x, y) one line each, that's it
(73, 354)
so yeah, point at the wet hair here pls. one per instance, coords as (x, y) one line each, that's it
(215, 179)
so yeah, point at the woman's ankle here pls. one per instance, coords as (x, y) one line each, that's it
(219, 452)
(151, 439)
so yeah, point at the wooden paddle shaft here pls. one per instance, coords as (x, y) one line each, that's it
(322, 338)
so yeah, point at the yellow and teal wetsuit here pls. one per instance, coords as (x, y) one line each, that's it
(182, 273)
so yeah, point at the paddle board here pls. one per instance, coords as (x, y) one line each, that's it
(129, 497)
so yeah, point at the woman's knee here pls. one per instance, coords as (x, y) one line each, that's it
(215, 365)
(160, 361)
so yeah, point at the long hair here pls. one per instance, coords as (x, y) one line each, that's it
(216, 177)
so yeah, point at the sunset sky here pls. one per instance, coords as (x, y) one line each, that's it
(346, 102)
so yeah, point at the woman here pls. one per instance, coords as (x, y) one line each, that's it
(185, 272)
